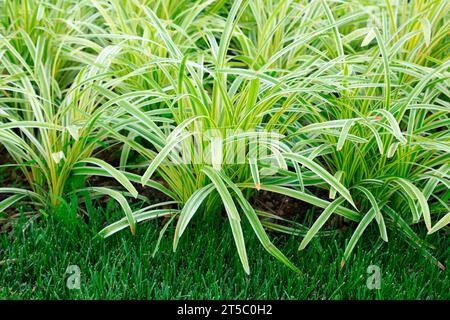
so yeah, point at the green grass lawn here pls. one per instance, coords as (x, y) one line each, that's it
(34, 257)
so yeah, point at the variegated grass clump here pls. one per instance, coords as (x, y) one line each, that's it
(357, 93)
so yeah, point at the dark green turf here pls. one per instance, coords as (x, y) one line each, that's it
(206, 266)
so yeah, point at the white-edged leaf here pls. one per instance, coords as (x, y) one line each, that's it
(377, 137)
(124, 223)
(332, 124)
(426, 30)
(216, 152)
(378, 215)
(255, 172)
(370, 215)
(414, 193)
(131, 220)
(338, 176)
(6, 203)
(257, 225)
(344, 134)
(321, 172)
(25, 192)
(368, 38)
(161, 156)
(88, 171)
(74, 131)
(324, 216)
(161, 234)
(440, 224)
(306, 197)
(156, 22)
(393, 125)
(233, 215)
(114, 173)
(298, 171)
(189, 209)
(228, 202)
(392, 148)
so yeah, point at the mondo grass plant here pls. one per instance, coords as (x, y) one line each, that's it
(341, 105)
(51, 124)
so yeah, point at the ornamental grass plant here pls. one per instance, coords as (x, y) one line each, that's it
(340, 105)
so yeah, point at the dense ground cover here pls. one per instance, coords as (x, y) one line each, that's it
(188, 112)
(36, 257)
